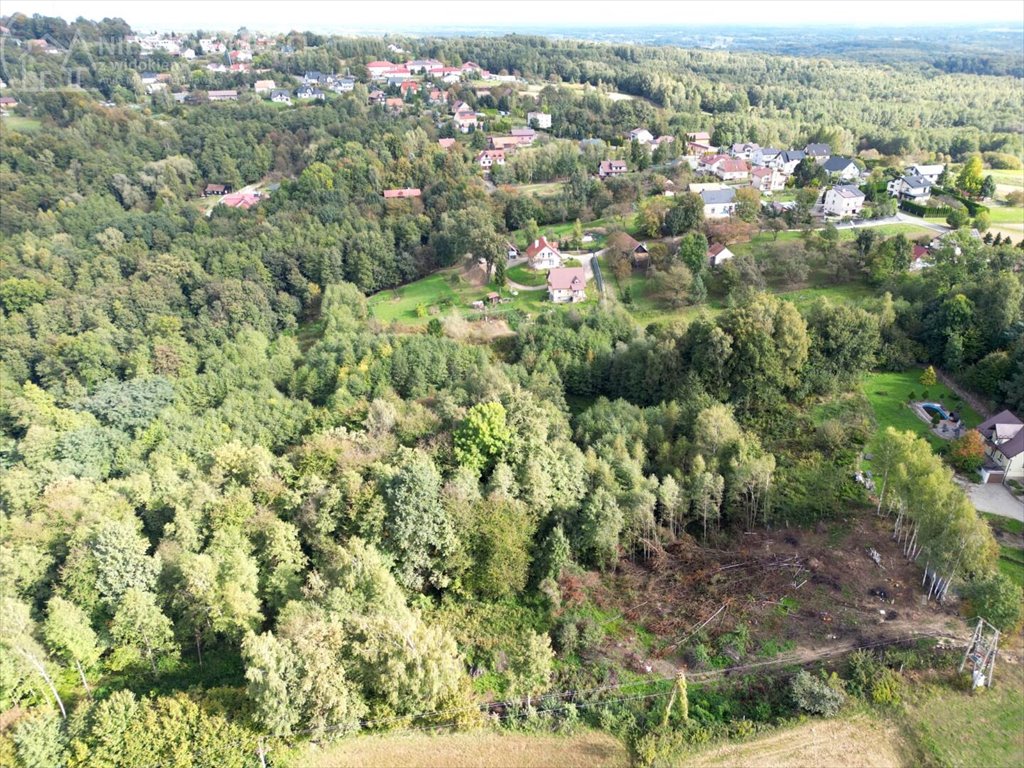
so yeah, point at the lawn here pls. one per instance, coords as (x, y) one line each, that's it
(559, 231)
(1009, 178)
(482, 749)
(542, 190)
(847, 293)
(1011, 563)
(22, 124)
(524, 275)
(888, 394)
(951, 727)
(1005, 214)
(443, 292)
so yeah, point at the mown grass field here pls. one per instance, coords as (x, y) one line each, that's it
(543, 189)
(523, 275)
(484, 749)
(445, 292)
(22, 124)
(950, 727)
(1000, 213)
(888, 394)
(859, 740)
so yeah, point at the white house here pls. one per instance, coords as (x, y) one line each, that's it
(818, 152)
(280, 96)
(378, 68)
(308, 92)
(567, 284)
(264, 86)
(543, 119)
(718, 203)
(910, 188)
(842, 167)
(724, 167)
(1004, 448)
(788, 160)
(744, 151)
(718, 254)
(844, 200)
(490, 157)
(542, 255)
(641, 136)
(767, 180)
(764, 156)
(930, 172)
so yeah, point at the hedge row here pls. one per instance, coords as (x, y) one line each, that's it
(923, 210)
(972, 207)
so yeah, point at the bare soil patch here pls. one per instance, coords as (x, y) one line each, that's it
(810, 590)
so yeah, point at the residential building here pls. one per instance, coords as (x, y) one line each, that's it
(788, 160)
(567, 284)
(765, 156)
(663, 140)
(543, 255)
(378, 68)
(718, 254)
(308, 92)
(217, 190)
(263, 86)
(243, 200)
(930, 172)
(490, 157)
(919, 258)
(914, 188)
(465, 119)
(525, 136)
(718, 203)
(281, 96)
(344, 85)
(540, 119)
(504, 142)
(409, 87)
(724, 167)
(699, 148)
(377, 97)
(841, 167)
(767, 180)
(8, 102)
(744, 151)
(700, 137)
(640, 136)
(611, 168)
(1004, 448)
(818, 152)
(222, 95)
(636, 251)
(401, 194)
(395, 104)
(844, 200)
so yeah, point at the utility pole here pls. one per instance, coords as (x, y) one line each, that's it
(980, 657)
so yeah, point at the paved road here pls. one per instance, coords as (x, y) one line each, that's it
(995, 499)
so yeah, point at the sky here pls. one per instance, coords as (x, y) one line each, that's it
(406, 15)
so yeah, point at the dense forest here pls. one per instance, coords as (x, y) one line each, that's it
(239, 511)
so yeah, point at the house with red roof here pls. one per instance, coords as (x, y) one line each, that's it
(919, 258)
(541, 254)
(378, 68)
(401, 194)
(490, 157)
(724, 167)
(767, 180)
(504, 142)
(567, 285)
(718, 254)
(409, 87)
(243, 200)
(611, 168)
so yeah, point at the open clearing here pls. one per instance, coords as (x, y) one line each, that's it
(23, 124)
(888, 394)
(858, 742)
(589, 749)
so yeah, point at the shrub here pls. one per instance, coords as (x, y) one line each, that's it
(818, 695)
(968, 452)
(996, 599)
(887, 688)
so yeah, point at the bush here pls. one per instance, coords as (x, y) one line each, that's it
(996, 599)
(818, 695)
(868, 678)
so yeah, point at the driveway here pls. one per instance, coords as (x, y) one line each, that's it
(995, 499)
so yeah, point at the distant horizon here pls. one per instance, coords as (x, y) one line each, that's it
(420, 18)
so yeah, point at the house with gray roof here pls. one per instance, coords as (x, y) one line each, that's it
(842, 167)
(1004, 448)
(914, 188)
(718, 203)
(818, 152)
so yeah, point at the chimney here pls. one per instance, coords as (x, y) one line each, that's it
(536, 243)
